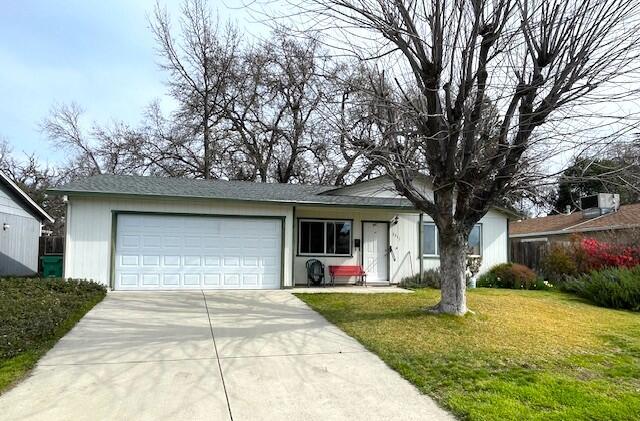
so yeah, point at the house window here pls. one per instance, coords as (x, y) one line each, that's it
(317, 237)
(430, 240)
(474, 245)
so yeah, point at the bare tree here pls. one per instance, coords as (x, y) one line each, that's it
(536, 60)
(113, 149)
(34, 178)
(200, 64)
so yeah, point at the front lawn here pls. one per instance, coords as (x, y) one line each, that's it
(523, 355)
(34, 314)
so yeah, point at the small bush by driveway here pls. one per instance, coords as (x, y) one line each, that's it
(523, 355)
(34, 314)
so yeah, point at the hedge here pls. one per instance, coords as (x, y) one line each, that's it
(33, 310)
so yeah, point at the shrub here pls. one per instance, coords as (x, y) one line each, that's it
(558, 264)
(584, 255)
(511, 276)
(33, 310)
(430, 279)
(601, 254)
(611, 287)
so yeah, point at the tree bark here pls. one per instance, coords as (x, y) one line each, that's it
(453, 284)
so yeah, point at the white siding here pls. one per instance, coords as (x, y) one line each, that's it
(494, 242)
(89, 229)
(12, 206)
(382, 187)
(19, 243)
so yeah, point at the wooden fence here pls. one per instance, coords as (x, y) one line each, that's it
(529, 253)
(50, 246)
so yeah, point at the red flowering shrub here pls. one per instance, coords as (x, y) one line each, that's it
(601, 255)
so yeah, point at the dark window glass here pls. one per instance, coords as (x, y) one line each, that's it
(429, 239)
(311, 237)
(343, 237)
(331, 238)
(320, 237)
(473, 246)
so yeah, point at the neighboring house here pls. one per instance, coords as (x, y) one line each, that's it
(133, 232)
(603, 222)
(21, 222)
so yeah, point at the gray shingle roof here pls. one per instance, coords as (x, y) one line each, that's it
(219, 189)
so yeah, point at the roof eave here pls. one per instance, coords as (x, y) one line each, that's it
(24, 196)
(84, 193)
(574, 231)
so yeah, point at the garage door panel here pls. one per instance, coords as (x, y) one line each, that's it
(170, 279)
(211, 279)
(269, 279)
(129, 279)
(129, 260)
(151, 260)
(191, 279)
(231, 279)
(192, 261)
(250, 261)
(171, 241)
(250, 279)
(211, 261)
(173, 252)
(171, 261)
(150, 279)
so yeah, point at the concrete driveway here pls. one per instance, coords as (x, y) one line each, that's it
(212, 356)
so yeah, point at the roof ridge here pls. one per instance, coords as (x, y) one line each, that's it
(210, 180)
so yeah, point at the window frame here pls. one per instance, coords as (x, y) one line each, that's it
(479, 225)
(436, 242)
(324, 222)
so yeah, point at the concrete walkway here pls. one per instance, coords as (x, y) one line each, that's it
(212, 356)
(352, 289)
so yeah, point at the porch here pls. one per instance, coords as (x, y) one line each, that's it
(351, 289)
(383, 241)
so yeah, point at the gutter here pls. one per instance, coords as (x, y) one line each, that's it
(563, 231)
(273, 201)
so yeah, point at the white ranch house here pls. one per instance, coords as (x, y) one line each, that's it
(154, 233)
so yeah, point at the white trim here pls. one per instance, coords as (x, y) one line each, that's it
(435, 240)
(324, 231)
(26, 197)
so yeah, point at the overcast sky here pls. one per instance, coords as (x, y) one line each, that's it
(99, 54)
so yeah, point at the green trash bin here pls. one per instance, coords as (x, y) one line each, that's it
(51, 266)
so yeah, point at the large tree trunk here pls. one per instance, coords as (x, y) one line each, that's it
(453, 256)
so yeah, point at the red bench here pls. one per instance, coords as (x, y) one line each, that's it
(344, 270)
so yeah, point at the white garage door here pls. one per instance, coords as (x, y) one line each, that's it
(155, 252)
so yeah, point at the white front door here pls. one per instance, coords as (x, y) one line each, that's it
(155, 252)
(375, 242)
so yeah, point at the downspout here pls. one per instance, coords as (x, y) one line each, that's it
(294, 248)
(420, 234)
(67, 222)
(508, 243)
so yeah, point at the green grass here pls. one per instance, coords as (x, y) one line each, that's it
(34, 315)
(523, 355)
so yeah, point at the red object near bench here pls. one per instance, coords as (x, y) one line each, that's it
(344, 270)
